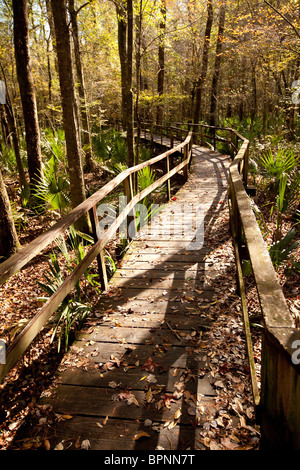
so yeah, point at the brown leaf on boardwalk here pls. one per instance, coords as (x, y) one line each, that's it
(140, 435)
(149, 365)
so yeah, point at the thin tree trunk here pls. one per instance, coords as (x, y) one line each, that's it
(86, 135)
(138, 76)
(24, 73)
(203, 73)
(161, 61)
(69, 106)
(9, 242)
(11, 120)
(129, 91)
(215, 80)
(122, 46)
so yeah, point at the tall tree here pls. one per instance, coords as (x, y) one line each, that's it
(69, 106)
(13, 130)
(215, 80)
(161, 60)
(122, 47)
(204, 66)
(129, 91)
(9, 242)
(25, 80)
(85, 125)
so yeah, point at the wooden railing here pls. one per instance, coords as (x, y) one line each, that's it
(8, 268)
(277, 399)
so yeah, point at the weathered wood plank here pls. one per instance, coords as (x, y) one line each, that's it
(122, 435)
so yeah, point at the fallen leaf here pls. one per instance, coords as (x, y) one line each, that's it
(149, 396)
(105, 420)
(85, 445)
(149, 365)
(228, 444)
(47, 444)
(59, 446)
(140, 435)
(66, 416)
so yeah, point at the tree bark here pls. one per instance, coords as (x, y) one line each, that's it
(13, 130)
(122, 46)
(129, 91)
(9, 242)
(85, 125)
(69, 106)
(215, 80)
(161, 61)
(203, 73)
(25, 80)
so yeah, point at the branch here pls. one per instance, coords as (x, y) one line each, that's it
(284, 17)
(83, 6)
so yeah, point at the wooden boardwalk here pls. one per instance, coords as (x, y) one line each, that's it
(134, 377)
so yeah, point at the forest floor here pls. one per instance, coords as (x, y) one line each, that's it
(23, 386)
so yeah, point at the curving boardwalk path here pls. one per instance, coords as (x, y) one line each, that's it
(140, 376)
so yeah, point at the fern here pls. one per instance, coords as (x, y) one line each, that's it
(53, 189)
(281, 250)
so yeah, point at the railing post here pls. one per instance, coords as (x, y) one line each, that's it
(128, 190)
(169, 180)
(100, 257)
(233, 144)
(245, 167)
(172, 138)
(214, 138)
(190, 150)
(185, 158)
(202, 136)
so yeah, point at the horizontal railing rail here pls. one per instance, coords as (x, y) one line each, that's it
(16, 349)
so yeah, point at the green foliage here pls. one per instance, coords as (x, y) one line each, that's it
(8, 158)
(110, 264)
(109, 145)
(281, 184)
(280, 171)
(19, 217)
(275, 166)
(145, 178)
(72, 312)
(145, 153)
(53, 144)
(282, 249)
(53, 189)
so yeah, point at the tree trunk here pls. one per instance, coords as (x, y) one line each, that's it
(129, 91)
(9, 242)
(86, 135)
(161, 61)
(12, 125)
(203, 73)
(215, 80)
(122, 46)
(69, 106)
(138, 56)
(25, 80)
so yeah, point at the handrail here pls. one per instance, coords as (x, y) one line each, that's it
(276, 401)
(9, 267)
